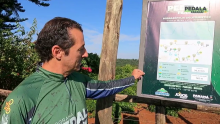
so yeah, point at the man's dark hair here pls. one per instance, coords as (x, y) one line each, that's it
(55, 32)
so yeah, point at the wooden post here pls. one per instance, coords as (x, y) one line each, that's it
(108, 57)
(160, 115)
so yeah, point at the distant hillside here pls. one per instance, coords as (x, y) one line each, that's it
(122, 62)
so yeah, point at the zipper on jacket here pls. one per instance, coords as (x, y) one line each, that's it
(65, 81)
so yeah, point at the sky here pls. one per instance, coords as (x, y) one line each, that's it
(91, 15)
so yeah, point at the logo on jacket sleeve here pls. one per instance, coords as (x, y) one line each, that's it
(7, 106)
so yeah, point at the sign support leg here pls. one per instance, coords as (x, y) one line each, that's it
(160, 115)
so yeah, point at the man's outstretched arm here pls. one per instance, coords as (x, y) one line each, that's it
(98, 89)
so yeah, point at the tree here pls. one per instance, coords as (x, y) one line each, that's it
(18, 58)
(9, 12)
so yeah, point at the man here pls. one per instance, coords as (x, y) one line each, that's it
(56, 92)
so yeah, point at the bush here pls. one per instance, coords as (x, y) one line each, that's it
(172, 111)
(151, 108)
(91, 106)
(18, 58)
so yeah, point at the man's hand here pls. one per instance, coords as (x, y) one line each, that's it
(137, 73)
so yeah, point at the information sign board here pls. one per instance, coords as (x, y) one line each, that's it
(180, 50)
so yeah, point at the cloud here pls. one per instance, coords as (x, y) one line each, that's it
(93, 36)
(96, 37)
(93, 41)
(94, 48)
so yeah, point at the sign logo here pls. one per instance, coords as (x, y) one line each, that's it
(200, 96)
(196, 9)
(162, 92)
(7, 106)
(187, 9)
(203, 98)
(182, 96)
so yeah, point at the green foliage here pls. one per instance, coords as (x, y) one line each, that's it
(18, 58)
(116, 112)
(92, 61)
(124, 72)
(172, 111)
(151, 108)
(92, 115)
(91, 106)
(123, 62)
(9, 10)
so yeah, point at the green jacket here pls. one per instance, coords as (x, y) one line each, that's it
(49, 98)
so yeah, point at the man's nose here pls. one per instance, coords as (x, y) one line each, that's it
(85, 54)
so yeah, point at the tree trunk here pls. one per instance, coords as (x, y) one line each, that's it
(109, 57)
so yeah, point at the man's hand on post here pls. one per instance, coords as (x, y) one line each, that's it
(137, 73)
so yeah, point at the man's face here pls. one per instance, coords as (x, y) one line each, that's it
(77, 52)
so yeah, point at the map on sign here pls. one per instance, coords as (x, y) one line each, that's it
(185, 51)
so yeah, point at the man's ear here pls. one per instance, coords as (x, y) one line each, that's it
(57, 52)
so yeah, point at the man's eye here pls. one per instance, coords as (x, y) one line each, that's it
(80, 49)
